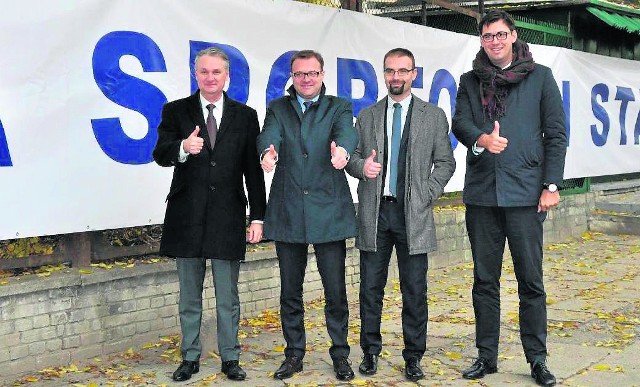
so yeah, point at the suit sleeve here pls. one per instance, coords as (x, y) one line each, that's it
(169, 139)
(462, 124)
(271, 132)
(355, 167)
(254, 177)
(554, 130)
(444, 164)
(343, 132)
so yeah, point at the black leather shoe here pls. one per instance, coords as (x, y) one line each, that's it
(412, 370)
(542, 375)
(369, 365)
(479, 369)
(290, 366)
(233, 370)
(186, 369)
(343, 369)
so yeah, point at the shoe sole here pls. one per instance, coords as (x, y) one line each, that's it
(282, 377)
(488, 372)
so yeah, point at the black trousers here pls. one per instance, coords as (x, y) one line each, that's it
(374, 269)
(488, 227)
(330, 258)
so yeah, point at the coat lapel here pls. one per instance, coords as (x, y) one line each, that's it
(228, 113)
(379, 125)
(195, 112)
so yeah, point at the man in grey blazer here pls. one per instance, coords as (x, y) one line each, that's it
(403, 160)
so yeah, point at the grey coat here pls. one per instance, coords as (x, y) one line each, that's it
(430, 165)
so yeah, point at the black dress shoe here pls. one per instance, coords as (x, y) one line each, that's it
(369, 365)
(343, 369)
(186, 369)
(479, 369)
(412, 370)
(542, 375)
(290, 366)
(233, 370)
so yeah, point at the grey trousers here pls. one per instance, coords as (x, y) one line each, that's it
(191, 273)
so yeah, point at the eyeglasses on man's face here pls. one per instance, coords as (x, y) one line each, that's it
(400, 72)
(488, 38)
(310, 74)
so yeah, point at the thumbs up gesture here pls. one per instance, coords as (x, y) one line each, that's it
(269, 159)
(371, 167)
(193, 144)
(338, 156)
(493, 142)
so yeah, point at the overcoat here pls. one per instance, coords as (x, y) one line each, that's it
(206, 204)
(429, 166)
(534, 125)
(309, 200)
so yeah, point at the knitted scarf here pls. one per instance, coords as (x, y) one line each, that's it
(495, 82)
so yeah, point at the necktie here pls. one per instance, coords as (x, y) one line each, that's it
(212, 125)
(306, 105)
(395, 147)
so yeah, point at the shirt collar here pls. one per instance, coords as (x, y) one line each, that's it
(301, 100)
(204, 102)
(405, 102)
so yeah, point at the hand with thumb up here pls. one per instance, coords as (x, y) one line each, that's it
(193, 144)
(269, 159)
(338, 156)
(493, 142)
(371, 167)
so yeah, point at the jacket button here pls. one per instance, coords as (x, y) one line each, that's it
(305, 192)
(305, 155)
(212, 188)
(213, 163)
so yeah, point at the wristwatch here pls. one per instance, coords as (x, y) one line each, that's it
(550, 187)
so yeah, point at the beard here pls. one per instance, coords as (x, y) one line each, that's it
(397, 90)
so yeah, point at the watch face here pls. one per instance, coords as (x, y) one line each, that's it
(552, 187)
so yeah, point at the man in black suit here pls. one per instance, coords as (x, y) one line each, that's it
(210, 140)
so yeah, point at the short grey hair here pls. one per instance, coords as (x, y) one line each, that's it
(212, 51)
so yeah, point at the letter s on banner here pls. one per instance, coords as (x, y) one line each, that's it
(128, 91)
(600, 113)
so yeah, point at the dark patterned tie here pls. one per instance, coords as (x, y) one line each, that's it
(212, 125)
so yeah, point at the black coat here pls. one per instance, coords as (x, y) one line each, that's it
(534, 125)
(206, 205)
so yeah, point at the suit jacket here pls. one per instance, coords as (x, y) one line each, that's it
(534, 124)
(309, 200)
(206, 205)
(429, 166)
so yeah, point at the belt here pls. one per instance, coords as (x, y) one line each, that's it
(391, 199)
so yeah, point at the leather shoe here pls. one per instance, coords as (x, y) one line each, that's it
(343, 369)
(369, 365)
(233, 370)
(290, 366)
(412, 370)
(186, 369)
(479, 369)
(542, 375)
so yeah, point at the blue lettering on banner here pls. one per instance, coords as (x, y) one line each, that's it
(279, 76)
(566, 105)
(599, 112)
(5, 157)
(349, 69)
(129, 92)
(443, 79)
(239, 78)
(625, 95)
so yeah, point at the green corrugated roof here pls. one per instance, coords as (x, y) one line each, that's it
(630, 23)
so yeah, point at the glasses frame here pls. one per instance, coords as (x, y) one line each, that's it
(401, 72)
(310, 74)
(488, 38)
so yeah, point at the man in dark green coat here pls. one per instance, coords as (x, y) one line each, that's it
(509, 115)
(307, 138)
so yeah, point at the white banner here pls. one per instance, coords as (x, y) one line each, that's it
(83, 84)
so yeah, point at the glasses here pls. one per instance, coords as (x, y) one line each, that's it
(488, 38)
(310, 74)
(400, 72)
